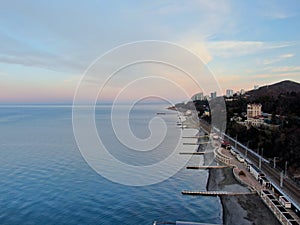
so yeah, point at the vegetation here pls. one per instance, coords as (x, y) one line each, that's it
(242, 173)
(282, 141)
(281, 100)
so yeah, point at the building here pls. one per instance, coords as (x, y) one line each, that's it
(213, 95)
(241, 92)
(256, 122)
(253, 110)
(206, 97)
(255, 171)
(229, 93)
(254, 115)
(278, 207)
(198, 96)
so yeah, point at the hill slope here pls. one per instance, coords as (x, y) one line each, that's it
(274, 90)
(281, 98)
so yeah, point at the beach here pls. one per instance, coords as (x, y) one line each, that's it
(240, 209)
(237, 209)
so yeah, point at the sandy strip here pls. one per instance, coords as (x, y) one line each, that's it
(242, 209)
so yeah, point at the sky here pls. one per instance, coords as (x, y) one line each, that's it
(47, 46)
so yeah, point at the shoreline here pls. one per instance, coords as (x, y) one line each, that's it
(240, 209)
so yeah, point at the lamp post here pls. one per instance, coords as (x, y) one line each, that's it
(235, 142)
(274, 162)
(285, 169)
(260, 157)
(246, 153)
(281, 179)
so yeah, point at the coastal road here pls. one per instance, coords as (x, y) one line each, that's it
(289, 187)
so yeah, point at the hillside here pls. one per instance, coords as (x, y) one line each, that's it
(282, 140)
(281, 98)
(274, 90)
(282, 101)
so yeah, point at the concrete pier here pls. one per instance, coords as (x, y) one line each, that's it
(215, 193)
(198, 143)
(204, 136)
(191, 153)
(206, 167)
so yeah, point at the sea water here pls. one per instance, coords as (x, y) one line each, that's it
(45, 180)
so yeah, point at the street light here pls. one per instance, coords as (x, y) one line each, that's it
(235, 141)
(246, 153)
(281, 179)
(274, 162)
(285, 169)
(260, 157)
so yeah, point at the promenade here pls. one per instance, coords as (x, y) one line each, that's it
(239, 168)
(246, 172)
(289, 188)
(242, 174)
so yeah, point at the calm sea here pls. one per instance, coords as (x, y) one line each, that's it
(45, 180)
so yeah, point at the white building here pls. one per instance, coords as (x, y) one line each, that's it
(254, 115)
(255, 171)
(198, 96)
(213, 95)
(253, 110)
(255, 121)
(206, 97)
(229, 93)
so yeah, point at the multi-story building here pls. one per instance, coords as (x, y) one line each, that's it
(254, 115)
(229, 93)
(253, 110)
(213, 95)
(206, 97)
(198, 96)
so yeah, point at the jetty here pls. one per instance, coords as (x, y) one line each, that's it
(182, 223)
(215, 193)
(191, 153)
(206, 167)
(203, 136)
(198, 143)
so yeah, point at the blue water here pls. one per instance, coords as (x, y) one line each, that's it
(45, 180)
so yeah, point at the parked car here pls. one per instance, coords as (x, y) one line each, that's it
(224, 144)
(233, 152)
(228, 147)
(240, 159)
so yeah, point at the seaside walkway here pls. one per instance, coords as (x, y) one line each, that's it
(289, 188)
